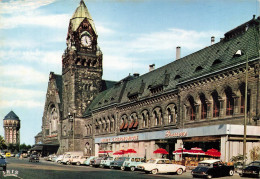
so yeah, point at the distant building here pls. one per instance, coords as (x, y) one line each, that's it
(199, 100)
(12, 128)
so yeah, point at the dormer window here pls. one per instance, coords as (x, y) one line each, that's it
(156, 89)
(217, 61)
(132, 96)
(199, 68)
(177, 77)
(238, 53)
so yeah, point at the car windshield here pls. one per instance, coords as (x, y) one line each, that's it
(254, 164)
(204, 165)
(152, 161)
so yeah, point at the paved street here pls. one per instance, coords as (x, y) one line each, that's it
(49, 170)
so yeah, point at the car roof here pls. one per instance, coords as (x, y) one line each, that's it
(210, 161)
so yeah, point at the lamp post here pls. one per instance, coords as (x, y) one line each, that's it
(72, 119)
(145, 148)
(245, 116)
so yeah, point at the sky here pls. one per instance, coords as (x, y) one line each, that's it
(132, 34)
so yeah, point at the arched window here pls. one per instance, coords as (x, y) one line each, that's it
(203, 106)
(192, 109)
(156, 118)
(170, 116)
(229, 102)
(216, 104)
(242, 100)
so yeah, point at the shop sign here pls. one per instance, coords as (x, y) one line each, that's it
(168, 134)
(119, 139)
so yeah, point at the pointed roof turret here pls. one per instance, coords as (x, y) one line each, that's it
(11, 116)
(79, 15)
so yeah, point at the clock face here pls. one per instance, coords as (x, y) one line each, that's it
(86, 41)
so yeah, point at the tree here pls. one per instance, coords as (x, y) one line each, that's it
(255, 153)
(2, 143)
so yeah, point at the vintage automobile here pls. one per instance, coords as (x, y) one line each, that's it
(59, 158)
(118, 162)
(253, 169)
(161, 166)
(96, 161)
(78, 160)
(132, 162)
(3, 163)
(107, 162)
(34, 158)
(212, 168)
(87, 161)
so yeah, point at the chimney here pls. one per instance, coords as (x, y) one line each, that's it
(178, 53)
(136, 75)
(212, 40)
(151, 67)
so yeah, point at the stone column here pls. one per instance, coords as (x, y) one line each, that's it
(236, 105)
(209, 110)
(222, 111)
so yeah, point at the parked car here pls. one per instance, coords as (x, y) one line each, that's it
(132, 163)
(66, 159)
(78, 160)
(96, 161)
(34, 158)
(59, 158)
(8, 154)
(253, 169)
(18, 155)
(118, 162)
(68, 156)
(106, 162)
(161, 166)
(212, 168)
(3, 163)
(87, 162)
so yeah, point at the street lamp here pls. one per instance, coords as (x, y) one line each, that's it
(72, 119)
(145, 148)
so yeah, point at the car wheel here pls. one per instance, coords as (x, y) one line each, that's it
(111, 167)
(122, 168)
(59, 162)
(179, 171)
(78, 163)
(132, 168)
(68, 162)
(209, 176)
(231, 172)
(154, 171)
(4, 168)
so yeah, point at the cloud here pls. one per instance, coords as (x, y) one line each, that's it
(170, 39)
(120, 62)
(21, 75)
(36, 56)
(18, 6)
(15, 97)
(53, 21)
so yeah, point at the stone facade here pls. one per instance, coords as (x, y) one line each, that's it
(12, 128)
(203, 89)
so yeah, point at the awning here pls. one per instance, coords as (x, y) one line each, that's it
(36, 148)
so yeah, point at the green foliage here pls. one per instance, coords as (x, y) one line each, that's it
(25, 147)
(237, 158)
(2, 143)
(255, 153)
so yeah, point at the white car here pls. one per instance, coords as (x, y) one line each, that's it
(59, 158)
(161, 166)
(78, 160)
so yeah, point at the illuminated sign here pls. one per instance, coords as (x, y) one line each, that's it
(119, 139)
(168, 134)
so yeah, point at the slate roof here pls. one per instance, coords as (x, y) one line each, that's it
(79, 15)
(207, 61)
(11, 116)
(58, 79)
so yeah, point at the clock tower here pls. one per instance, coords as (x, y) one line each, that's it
(81, 64)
